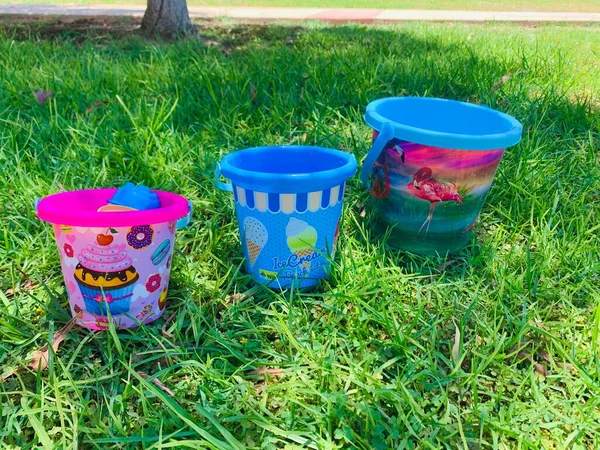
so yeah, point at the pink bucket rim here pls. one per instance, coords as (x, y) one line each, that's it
(80, 208)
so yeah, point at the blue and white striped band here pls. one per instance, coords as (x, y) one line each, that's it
(289, 203)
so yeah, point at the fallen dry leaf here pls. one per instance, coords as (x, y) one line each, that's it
(540, 369)
(8, 373)
(42, 95)
(523, 353)
(9, 292)
(544, 355)
(520, 353)
(30, 286)
(272, 372)
(233, 298)
(39, 360)
(446, 264)
(568, 366)
(501, 82)
(456, 345)
(163, 330)
(96, 105)
(265, 373)
(229, 300)
(158, 383)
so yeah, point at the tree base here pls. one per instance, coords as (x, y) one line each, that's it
(168, 19)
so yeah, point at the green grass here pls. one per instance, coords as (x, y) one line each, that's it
(477, 5)
(367, 358)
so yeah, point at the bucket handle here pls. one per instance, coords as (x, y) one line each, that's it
(185, 220)
(385, 135)
(223, 186)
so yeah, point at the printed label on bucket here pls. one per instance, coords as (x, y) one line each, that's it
(289, 238)
(431, 197)
(122, 272)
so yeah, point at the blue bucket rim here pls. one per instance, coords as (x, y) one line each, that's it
(285, 182)
(459, 141)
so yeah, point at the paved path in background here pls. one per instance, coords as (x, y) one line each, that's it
(294, 14)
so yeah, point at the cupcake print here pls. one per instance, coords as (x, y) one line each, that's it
(106, 278)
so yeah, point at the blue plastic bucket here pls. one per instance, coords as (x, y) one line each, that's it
(288, 202)
(430, 168)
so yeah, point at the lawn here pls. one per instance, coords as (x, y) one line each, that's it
(469, 5)
(492, 348)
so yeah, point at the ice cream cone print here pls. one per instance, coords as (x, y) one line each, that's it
(256, 236)
(301, 240)
(306, 264)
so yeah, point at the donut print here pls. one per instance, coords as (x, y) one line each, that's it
(68, 250)
(140, 236)
(153, 282)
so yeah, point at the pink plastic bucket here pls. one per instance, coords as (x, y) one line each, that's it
(114, 263)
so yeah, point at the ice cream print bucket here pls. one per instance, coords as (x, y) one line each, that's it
(115, 249)
(288, 202)
(430, 168)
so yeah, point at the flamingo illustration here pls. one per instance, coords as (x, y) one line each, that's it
(425, 187)
(380, 188)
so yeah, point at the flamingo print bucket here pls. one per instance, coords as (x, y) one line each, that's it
(430, 168)
(288, 202)
(114, 263)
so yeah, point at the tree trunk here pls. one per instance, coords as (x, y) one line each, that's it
(167, 18)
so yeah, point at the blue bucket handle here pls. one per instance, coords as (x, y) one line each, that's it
(223, 186)
(184, 221)
(385, 135)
